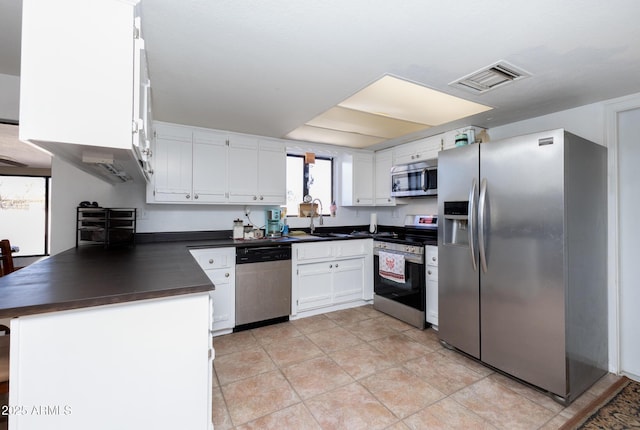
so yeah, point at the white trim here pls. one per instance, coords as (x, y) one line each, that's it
(612, 109)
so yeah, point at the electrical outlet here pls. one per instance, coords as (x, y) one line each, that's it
(141, 214)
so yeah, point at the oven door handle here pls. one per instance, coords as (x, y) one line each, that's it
(472, 226)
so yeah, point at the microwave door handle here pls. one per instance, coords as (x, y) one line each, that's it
(471, 221)
(425, 179)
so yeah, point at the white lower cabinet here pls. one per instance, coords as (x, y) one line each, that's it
(348, 280)
(431, 254)
(315, 285)
(112, 366)
(331, 275)
(220, 266)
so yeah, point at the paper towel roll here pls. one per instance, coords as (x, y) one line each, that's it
(373, 223)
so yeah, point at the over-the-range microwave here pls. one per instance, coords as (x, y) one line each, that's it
(415, 179)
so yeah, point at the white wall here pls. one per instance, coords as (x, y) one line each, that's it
(585, 121)
(9, 97)
(629, 232)
(70, 186)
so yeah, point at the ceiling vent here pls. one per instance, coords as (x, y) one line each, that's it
(491, 77)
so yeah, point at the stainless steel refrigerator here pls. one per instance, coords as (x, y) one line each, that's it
(523, 258)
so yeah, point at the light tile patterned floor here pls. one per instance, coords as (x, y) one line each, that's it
(361, 369)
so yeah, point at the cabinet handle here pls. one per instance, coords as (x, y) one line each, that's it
(195, 197)
(336, 265)
(428, 272)
(226, 275)
(433, 258)
(211, 261)
(330, 266)
(188, 196)
(261, 197)
(357, 200)
(255, 198)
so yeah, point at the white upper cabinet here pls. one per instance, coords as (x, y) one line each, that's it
(210, 169)
(77, 81)
(383, 164)
(357, 179)
(272, 171)
(257, 170)
(173, 165)
(419, 150)
(243, 177)
(197, 165)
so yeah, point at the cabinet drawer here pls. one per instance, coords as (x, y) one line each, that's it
(352, 248)
(214, 258)
(313, 251)
(431, 254)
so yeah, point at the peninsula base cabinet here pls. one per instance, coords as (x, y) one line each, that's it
(134, 365)
(331, 275)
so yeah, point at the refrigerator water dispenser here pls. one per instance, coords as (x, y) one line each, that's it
(456, 220)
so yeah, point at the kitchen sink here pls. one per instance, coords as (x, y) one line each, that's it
(330, 234)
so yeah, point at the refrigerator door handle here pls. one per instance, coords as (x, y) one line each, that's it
(471, 213)
(481, 213)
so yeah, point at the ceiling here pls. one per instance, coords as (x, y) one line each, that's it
(268, 67)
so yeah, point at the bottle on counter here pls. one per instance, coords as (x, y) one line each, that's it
(333, 208)
(238, 229)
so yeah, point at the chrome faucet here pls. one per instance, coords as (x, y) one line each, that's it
(313, 214)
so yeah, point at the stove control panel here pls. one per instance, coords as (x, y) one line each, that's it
(398, 247)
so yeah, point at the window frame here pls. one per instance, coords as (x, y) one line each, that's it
(47, 213)
(305, 181)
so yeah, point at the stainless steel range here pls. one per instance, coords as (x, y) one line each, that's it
(399, 269)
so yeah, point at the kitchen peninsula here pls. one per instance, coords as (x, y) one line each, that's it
(110, 338)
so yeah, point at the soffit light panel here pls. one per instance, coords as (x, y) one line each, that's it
(386, 109)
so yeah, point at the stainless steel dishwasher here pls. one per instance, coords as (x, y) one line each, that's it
(263, 285)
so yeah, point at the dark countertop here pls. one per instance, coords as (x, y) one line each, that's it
(92, 276)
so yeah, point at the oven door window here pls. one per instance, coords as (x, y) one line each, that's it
(410, 292)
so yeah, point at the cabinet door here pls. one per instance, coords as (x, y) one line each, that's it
(209, 167)
(357, 179)
(224, 299)
(272, 168)
(348, 280)
(363, 180)
(405, 153)
(243, 169)
(431, 259)
(384, 162)
(428, 148)
(314, 282)
(173, 165)
(86, 99)
(432, 295)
